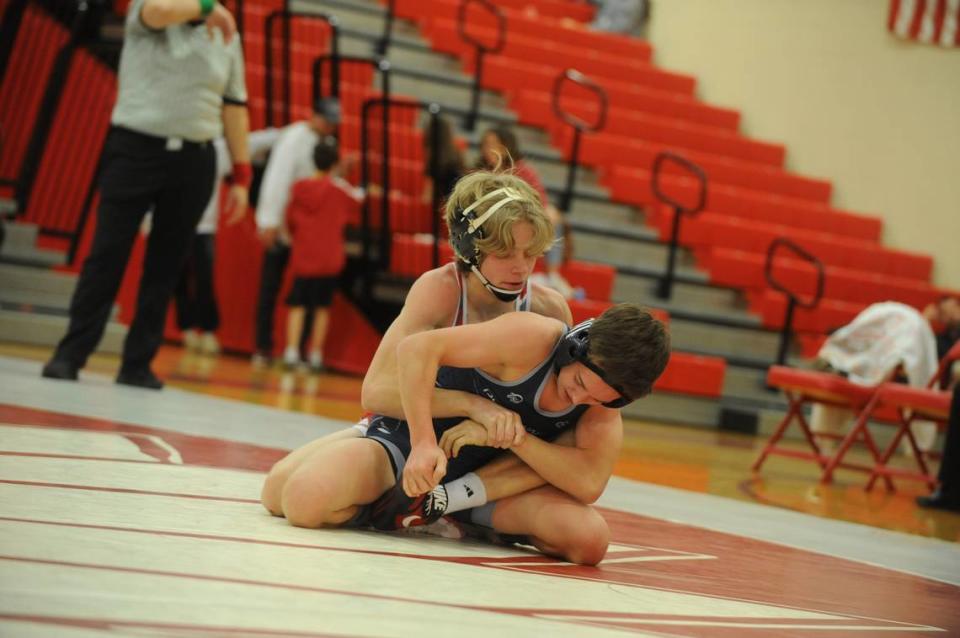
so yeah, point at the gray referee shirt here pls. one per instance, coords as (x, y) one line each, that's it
(173, 81)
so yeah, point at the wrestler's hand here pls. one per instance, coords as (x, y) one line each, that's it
(467, 432)
(503, 426)
(425, 466)
(236, 205)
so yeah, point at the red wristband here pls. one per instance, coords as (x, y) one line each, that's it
(242, 175)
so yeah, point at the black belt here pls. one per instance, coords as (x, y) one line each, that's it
(157, 142)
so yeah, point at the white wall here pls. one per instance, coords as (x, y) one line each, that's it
(877, 116)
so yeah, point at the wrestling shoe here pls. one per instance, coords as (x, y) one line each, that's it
(396, 510)
(446, 527)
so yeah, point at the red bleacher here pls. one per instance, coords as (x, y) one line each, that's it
(31, 61)
(751, 199)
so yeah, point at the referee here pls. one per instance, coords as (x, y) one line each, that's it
(181, 85)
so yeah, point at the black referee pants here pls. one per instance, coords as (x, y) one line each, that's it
(949, 474)
(274, 266)
(138, 172)
(194, 296)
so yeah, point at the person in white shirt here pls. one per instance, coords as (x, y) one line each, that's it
(291, 160)
(195, 300)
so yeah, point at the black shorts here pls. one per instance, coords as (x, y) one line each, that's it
(394, 436)
(312, 292)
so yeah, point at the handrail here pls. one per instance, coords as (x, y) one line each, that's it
(383, 44)
(381, 261)
(481, 48)
(287, 15)
(316, 84)
(579, 126)
(658, 162)
(793, 299)
(435, 196)
(665, 287)
(579, 78)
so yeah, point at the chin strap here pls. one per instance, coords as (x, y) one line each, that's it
(502, 294)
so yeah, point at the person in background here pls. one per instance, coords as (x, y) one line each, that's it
(499, 147)
(944, 317)
(947, 494)
(290, 161)
(450, 166)
(194, 297)
(180, 86)
(629, 17)
(316, 217)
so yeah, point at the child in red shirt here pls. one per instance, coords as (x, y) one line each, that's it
(316, 216)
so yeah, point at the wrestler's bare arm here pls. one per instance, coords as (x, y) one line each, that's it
(430, 304)
(581, 470)
(578, 462)
(490, 346)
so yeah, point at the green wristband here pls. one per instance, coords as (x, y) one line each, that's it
(206, 7)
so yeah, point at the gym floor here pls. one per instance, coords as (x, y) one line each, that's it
(136, 512)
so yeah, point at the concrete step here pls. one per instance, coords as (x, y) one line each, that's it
(729, 342)
(629, 254)
(47, 329)
(41, 280)
(7, 206)
(20, 247)
(693, 301)
(665, 407)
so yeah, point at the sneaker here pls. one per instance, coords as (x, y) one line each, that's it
(315, 361)
(291, 358)
(191, 340)
(142, 378)
(395, 510)
(208, 343)
(445, 527)
(60, 369)
(940, 499)
(261, 360)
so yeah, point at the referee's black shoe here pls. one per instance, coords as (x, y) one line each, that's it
(940, 499)
(139, 378)
(59, 369)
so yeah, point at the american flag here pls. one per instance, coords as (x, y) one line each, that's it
(928, 21)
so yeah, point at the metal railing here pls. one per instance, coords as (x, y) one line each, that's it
(337, 67)
(579, 126)
(382, 46)
(665, 286)
(481, 49)
(285, 17)
(793, 299)
(377, 244)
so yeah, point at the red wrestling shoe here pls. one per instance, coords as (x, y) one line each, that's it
(395, 510)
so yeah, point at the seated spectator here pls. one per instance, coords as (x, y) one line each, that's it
(628, 17)
(884, 337)
(450, 166)
(945, 318)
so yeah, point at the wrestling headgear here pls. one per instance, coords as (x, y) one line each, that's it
(466, 229)
(575, 346)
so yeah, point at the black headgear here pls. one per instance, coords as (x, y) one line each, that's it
(467, 228)
(575, 346)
